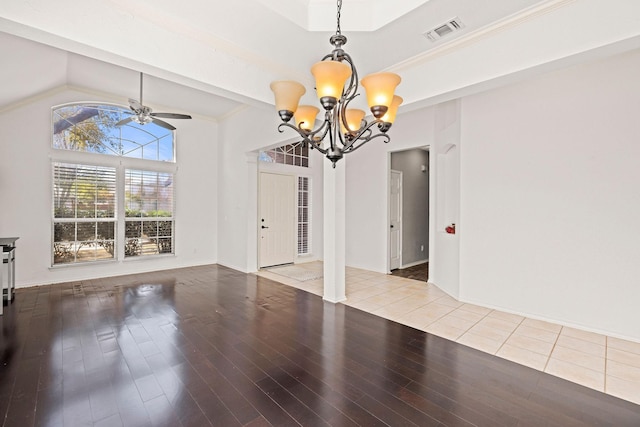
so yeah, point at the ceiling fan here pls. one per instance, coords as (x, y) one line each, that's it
(143, 114)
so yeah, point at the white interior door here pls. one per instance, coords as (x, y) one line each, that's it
(395, 220)
(277, 219)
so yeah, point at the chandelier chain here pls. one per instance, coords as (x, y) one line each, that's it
(338, 30)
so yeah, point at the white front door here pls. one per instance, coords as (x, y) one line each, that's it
(395, 220)
(277, 219)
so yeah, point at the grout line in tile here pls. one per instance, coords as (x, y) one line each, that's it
(553, 348)
(510, 334)
(606, 360)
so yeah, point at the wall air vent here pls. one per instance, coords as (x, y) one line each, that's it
(442, 30)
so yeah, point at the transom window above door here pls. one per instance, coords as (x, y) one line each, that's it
(290, 154)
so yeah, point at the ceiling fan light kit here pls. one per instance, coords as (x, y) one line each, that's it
(144, 115)
(336, 86)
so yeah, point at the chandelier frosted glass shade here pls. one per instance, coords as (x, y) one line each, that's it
(305, 117)
(330, 79)
(287, 95)
(390, 115)
(380, 88)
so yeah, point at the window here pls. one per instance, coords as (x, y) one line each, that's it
(110, 211)
(291, 154)
(84, 200)
(148, 212)
(304, 218)
(91, 128)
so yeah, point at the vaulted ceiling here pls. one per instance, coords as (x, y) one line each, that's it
(211, 57)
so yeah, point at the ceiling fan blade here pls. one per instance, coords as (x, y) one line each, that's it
(135, 105)
(171, 115)
(163, 124)
(124, 121)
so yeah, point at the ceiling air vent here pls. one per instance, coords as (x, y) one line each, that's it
(442, 30)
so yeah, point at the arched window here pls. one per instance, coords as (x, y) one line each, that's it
(112, 185)
(92, 128)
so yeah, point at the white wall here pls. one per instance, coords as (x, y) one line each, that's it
(241, 136)
(367, 176)
(25, 195)
(444, 256)
(550, 197)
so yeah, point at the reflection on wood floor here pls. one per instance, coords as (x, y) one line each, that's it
(208, 345)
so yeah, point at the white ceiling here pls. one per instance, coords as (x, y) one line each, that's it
(210, 57)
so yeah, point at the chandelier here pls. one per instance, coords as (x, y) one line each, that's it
(346, 127)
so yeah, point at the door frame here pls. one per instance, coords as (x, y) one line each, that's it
(432, 204)
(391, 172)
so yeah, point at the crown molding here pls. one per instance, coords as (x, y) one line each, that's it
(482, 33)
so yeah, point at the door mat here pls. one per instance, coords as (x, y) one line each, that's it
(295, 272)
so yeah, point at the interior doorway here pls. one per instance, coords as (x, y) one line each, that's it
(413, 164)
(277, 220)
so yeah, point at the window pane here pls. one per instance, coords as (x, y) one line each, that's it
(165, 228)
(150, 228)
(132, 229)
(149, 196)
(82, 194)
(86, 231)
(165, 246)
(303, 215)
(132, 247)
(65, 231)
(106, 230)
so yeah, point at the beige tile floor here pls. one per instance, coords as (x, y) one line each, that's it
(607, 364)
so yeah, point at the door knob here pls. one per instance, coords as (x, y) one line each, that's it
(264, 227)
(391, 225)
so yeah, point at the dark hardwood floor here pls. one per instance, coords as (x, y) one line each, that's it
(416, 272)
(211, 346)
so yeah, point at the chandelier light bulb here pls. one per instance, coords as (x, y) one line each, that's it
(305, 117)
(353, 117)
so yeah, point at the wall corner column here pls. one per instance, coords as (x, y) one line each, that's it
(252, 212)
(334, 231)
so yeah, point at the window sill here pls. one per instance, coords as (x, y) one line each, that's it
(82, 264)
(111, 261)
(147, 257)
